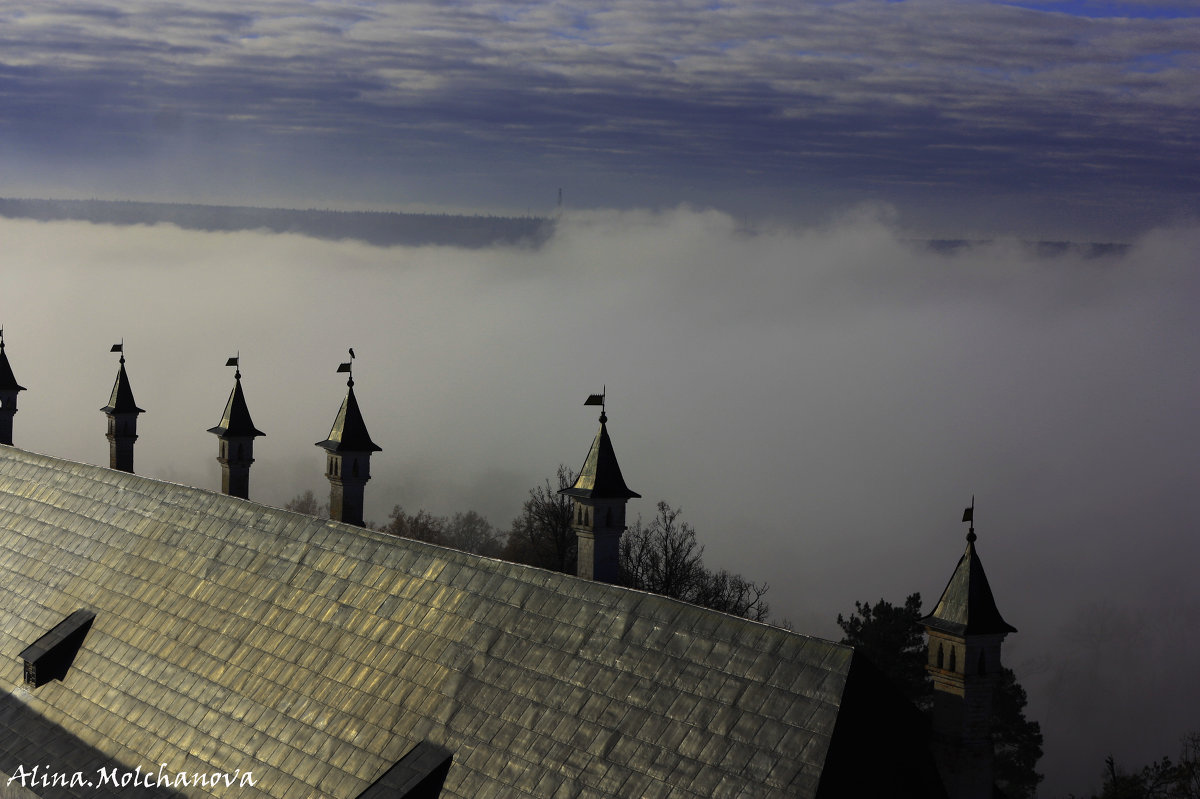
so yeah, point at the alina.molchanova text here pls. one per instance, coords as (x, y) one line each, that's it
(114, 777)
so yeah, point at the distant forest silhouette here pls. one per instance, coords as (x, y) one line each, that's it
(386, 228)
(381, 228)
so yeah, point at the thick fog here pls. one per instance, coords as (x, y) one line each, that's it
(821, 404)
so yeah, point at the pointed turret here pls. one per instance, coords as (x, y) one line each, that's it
(965, 632)
(8, 395)
(348, 462)
(122, 413)
(599, 496)
(236, 432)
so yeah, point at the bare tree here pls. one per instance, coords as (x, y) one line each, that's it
(664, 557)
(307, 503)
(542, 535)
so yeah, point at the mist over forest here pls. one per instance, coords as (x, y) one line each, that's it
(821, 402)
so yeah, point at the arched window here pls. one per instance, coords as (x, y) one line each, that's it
(953, 652)
(941, 657)
(354, 468)
(982, 664)
(608, 518)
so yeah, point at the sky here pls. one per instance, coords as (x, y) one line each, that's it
(735, 260)
(1072, 119)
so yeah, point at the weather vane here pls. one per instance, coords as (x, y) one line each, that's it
(598, 399)
(348, 367)
(235, 362)
(120, 348)
(969, 516)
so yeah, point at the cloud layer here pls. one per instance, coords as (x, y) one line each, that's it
(821, 403)
(1052, 118)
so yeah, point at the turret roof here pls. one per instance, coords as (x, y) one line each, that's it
(121, 399)
(236, 420)
(967, 606)
(8, 382)
(600, 476)
(349, 431)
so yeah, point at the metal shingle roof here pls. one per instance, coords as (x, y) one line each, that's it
(316, 654)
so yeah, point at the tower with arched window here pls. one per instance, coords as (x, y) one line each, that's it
(348, 458)
(598, 503)
(965, 632)
(122, 413)
(236, 434)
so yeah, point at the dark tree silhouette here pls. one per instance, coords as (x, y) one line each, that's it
(541, 535)
(664, 557)
(307, 503)
(1159, 780)
(892, 638)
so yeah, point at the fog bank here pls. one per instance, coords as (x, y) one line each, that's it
(822, 404)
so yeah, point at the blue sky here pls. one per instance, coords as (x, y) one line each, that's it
(1038, 118)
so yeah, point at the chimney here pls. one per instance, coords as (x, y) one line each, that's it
(965, 632)
(8, 395)
(598, 499)
(122, 413)
(236, 434)
(348, 459)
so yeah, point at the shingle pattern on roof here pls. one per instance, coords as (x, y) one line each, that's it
(236, 421)
(967, 606)
(316, 654)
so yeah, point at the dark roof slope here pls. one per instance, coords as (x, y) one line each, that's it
(967, 606)
(600, 476)
(317, 654)
(8, 381)
(236, 420)
(349, 431)
(121, 399)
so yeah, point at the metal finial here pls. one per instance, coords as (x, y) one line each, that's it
(969, 516)
(119, 348)
(348, 367)
(235, 362)
(598, 399)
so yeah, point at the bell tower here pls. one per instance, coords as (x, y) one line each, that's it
(8, 395)
(598, 499)
(122, 413)
(965, 632)
(236, 434)
(348, 459)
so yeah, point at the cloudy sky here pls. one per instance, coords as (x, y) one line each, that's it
(743, 182)
(1045, 118)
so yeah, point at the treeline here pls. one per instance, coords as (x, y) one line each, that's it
(662, 556)
(381, 228)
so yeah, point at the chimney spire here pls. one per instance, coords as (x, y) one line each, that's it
(236, 433)
(8, 395)
(122, 413)
(965, 632)
(348, 459)
(599, 497)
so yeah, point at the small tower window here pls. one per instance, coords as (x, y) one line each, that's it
(239, 452)
(354, 467)
(953, 665)
(941, 657)
(982, 664)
